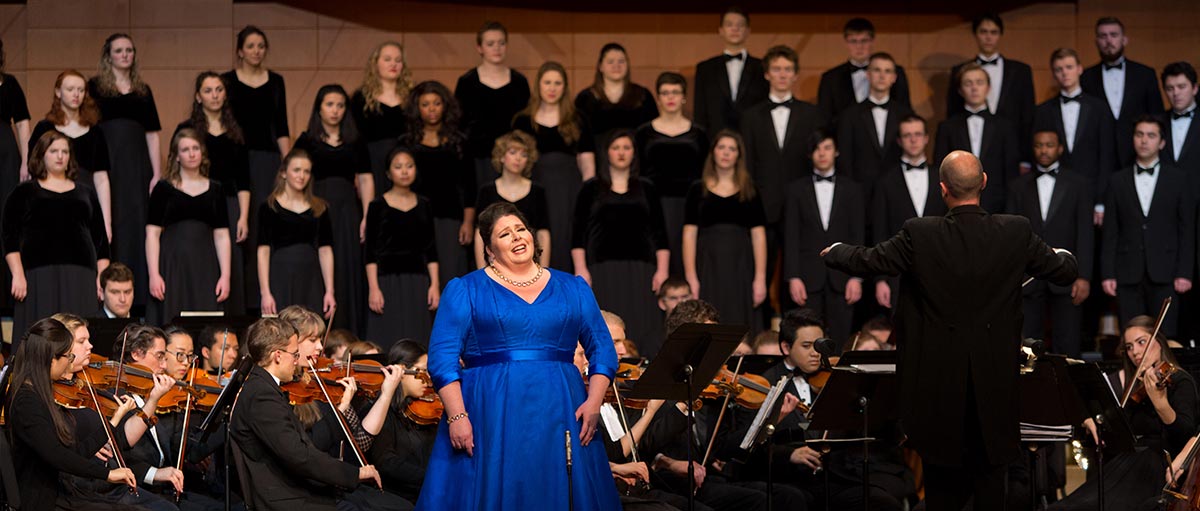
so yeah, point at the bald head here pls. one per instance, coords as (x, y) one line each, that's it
(962, 178)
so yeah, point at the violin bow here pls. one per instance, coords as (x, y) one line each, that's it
(1162, 314)
(221, 362)
(120, 363)
(724, 406)
(108, 431)
(625, 421)
(358, 452)
(187, 419)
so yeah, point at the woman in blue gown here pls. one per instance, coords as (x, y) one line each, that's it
(515, 324)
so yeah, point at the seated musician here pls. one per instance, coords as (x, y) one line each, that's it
(275, 456)
(217, 346)
(338, 342)
(1162, 418)
(401, 449)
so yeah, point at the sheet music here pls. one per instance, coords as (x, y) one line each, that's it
(612, 422)
(768, 406)
(874, 368)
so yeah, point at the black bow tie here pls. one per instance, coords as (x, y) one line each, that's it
(980, 113)
(883, 105)
(1118, 65)
(735, 56)
(1144, 170)
(1187, 114)
(857, 67)
(787, 103)
(983, 62)
(1052, 171)
(1068, 99)
(919, 166)
(798, 373)
(817, 178)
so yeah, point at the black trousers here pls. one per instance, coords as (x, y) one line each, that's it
(951, 488)
(831, 305)
(1065, 318)
(1146, 297)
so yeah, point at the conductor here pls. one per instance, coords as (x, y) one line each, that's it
(958, 331)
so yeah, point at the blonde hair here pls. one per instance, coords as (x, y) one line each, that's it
(174, 169)
(372, 85)
(106, 81)
(305, 321)
(71, 321)
(317, 204)
(505, 142)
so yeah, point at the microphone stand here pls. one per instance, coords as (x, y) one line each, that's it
(570, 480)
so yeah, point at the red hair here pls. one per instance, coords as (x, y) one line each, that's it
(89, 113)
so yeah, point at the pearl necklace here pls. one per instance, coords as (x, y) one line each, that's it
(525, 283)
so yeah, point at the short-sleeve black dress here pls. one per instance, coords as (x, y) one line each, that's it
(557, 170)
(402, 244)
(380, 129)
(295, 239)
(187, 256)
(724, 255)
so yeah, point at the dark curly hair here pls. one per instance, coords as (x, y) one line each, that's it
(448, 133)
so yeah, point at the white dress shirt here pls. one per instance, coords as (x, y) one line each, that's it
(1145, 184)
(1114, 86)
(780, 117)
(1070, 116)
(996, 78)
(733, 68)
(862, 86)
(802, 387)
(917, 182)
(879, 114)
(149, 479)
(1045, 188)
(1179, 130)
(824, 191)
(975, 131)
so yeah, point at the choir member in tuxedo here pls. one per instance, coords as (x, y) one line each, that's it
(1129, 88)
(868, 131)
(46, 442)
(229, 165)
(402, 449)
(131, 129)
(258, 98)
(490, 95)
(614, 102)
(724, 235)
(566, 155)
(446, 179)
(514, 156)
(672, 151)
(777, 132)
(847, 84)
(53, 237)
(378, 106)
(731, 82)
(295, 242)
(1148, 250)
(74, 114)
(1182, 135)
(1082, 124)
(402, 258)
(116, 288)
(976, 130)
(906, 189)
(820, 209)
(619, 243)
(1058, 202)
(1011, 95)
(273, 452)
(342, 178)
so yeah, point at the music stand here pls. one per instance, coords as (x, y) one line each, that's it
(1100, 403)
(220, 412)
(753, 364)
(105, 332)
(1048, 398)
(686, 363)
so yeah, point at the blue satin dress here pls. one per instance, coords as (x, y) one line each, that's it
(521, 391)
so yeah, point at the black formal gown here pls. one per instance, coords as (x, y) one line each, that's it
(13, 109)
(187, 256)
(380, 129)
(401, 244)
(557, 171)
(672, 163)
(621, 233)
(295, 240)
(532, 205)
(724, 254)
(60, 236)
(444, 176)
(487, 114)
(127, 119)
(607, 117)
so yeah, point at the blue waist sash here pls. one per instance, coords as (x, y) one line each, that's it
(519, 356)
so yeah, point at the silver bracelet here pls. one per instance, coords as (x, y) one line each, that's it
(451, 420)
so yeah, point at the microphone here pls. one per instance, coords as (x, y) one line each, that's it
(1038, 346)
(826, 347)
(568, 435)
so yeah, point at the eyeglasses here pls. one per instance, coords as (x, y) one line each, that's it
(70, 356)
(295, 354)
(183, 358)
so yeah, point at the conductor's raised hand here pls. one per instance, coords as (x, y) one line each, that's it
(588, 415)
(462, 435)
(826, 250)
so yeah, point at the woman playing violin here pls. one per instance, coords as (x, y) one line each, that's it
(401, 451)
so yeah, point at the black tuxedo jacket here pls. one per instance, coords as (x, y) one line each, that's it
(891, 204)
(715, 108)
(958, 323)
(281, 461)
(1094, 156)
(859, 152)
(836, 91)
(1161, 245)
(1068, 221)
(1141, 96)
(1016, 101)
(1189, 157)
(804, 238)
(773, 167)
(999, 152)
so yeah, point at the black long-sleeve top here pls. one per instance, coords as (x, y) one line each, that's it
(260, 111)
(90, 149)
(137, 107)
(619, 226)
(48, 227)
(38, 455)
(606, 117)
(229, 161)
(400, 241)
(388, 122)
(671, 163)
(170, 205)
(446, 178)
(549, 140)
(705, 209)
(532, 205)
(488, 112)
(279, 227)
(1149, 428)
(401, 452)
(13, 107)
(343, 161)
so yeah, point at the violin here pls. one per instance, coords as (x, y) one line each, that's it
(1136, 386)
(73, 395)
(138, 379)
(368, 374)
(1164, 370)
(623, 380)
(425, 410)
(748, 390)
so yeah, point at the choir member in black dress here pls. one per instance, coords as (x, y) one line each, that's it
(729, 83)
(1129, 88)
(340, 170)
(295, 242)
(672, 150)
(867, 132)
(402, 449)
(724, 235)
(402, 258)
(74, 113)
(847, 85)
(259, 101)
(614, 102)
(490, 95)
(378, 106)
(1162, 421)
(976, 130)
(44, 439)
(131, 129)
(187, 235)
(514, 156)
(566, 155)
(229, 165)
(446, 176)
(619, 242)
(53, 237)
(15, 114)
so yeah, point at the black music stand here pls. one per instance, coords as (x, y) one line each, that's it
(106, 332)
(220, 413)
(753, 364)
(1100, 403)
(1048, 398)
(686, 363)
